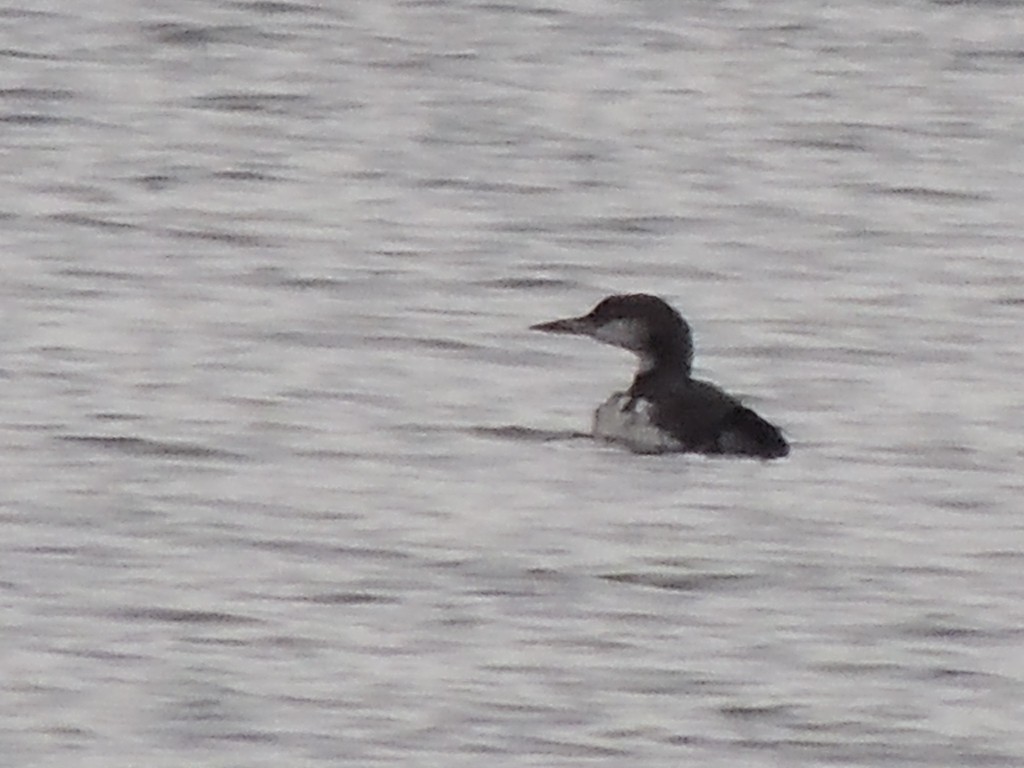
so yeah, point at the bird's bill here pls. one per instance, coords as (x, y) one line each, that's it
(575, 325)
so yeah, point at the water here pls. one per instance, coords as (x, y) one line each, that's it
(286, 480)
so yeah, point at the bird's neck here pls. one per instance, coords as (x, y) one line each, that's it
(659, 370)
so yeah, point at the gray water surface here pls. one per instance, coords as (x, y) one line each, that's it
(287, 481)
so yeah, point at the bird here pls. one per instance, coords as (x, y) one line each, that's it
(665, 409)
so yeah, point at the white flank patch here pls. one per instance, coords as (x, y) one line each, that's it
(631, 427)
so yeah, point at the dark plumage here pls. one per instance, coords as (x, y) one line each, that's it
(697, 415)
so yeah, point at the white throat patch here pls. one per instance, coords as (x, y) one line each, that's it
(628, 334)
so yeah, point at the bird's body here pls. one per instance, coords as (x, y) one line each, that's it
(666, 409)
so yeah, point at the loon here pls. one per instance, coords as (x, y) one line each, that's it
(666, 409)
